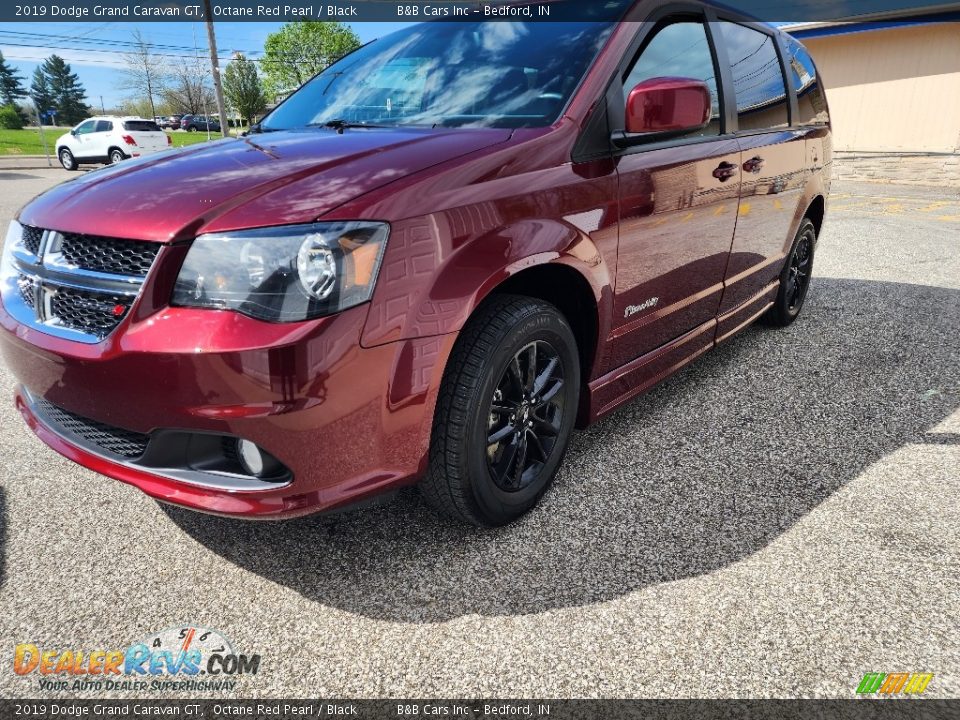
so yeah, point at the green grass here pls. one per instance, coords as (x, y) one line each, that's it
(180, 139)
(27, 141)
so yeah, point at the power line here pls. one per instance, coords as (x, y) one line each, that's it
(263, 60)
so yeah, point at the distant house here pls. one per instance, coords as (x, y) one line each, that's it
(893, 85)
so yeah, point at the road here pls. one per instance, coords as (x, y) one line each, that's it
(778, 519)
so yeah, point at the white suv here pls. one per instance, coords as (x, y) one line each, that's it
(110, 140)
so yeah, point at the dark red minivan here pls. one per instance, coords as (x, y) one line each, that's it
(428, 265)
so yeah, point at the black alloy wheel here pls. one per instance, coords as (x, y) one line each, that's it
(798, 276)
(525, 416)
(795, 277)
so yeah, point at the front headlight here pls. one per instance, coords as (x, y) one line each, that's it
(284, 274)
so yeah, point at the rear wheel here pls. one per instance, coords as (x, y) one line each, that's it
(795, 278)
(67, 159)
(507, 405)
(116, 155)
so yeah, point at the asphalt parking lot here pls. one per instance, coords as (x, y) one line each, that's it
(775, 521)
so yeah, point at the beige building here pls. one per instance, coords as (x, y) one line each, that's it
(894, 94)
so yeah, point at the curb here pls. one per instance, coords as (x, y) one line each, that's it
(27, 162)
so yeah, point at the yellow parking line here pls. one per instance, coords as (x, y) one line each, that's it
(935, 206)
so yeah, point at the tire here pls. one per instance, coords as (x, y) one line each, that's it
(67, 159)
(116, 155)
(482, 398)
(192, 128)
(794, 278)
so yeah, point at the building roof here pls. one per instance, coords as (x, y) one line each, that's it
(917, 14)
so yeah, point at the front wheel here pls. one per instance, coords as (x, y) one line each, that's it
(507, 405)
(67, 159)
(192, 128)
(794, 278)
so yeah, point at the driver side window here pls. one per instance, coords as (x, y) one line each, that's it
(680, 49)
(85, 127)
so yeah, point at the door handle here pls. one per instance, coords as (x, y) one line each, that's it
(754, 165)
(725, 171)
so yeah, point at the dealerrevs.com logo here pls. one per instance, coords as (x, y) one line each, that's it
(187, 658)
(894, 683)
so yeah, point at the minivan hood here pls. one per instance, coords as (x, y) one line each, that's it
(272, 178)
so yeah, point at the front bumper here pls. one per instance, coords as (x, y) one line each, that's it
(348, 422)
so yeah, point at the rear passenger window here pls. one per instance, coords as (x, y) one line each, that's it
(757, 78)
(813, 104)
(679, 49)
(104, 126)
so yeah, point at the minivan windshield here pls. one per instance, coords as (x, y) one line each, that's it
(481, 74)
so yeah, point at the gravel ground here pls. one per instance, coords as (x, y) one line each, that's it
(775, 521)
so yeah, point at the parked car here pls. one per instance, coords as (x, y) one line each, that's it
(193, 123)
(109, 140)
(420, 270)
(171, 122)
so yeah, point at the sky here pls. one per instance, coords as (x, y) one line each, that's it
(26, 45)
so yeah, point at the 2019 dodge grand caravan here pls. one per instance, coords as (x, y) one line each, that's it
(428, 265)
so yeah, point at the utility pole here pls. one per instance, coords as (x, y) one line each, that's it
(102, 108)
(215, 68)
(43, 138)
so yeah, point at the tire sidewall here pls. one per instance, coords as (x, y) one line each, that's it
(548, 326)
(116, 156)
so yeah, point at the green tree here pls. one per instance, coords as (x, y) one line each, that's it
(56, 86)
(299, 50)
(10, 118)
(11, 88)
(40, 92)
(242, 86)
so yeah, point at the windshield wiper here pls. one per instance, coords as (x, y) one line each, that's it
(341, 125)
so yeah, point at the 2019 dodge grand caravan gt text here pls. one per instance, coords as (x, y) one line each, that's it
(428, 265)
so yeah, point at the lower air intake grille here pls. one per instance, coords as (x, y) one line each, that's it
(92, 312)
(113, 440)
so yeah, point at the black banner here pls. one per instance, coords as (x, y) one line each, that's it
(271, 709)
(419, 10)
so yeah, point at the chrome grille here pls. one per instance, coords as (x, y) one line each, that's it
(79, 287)
(31, 239)
(109, 439)
(109, 255)
(27, 288)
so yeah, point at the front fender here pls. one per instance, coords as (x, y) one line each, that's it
(427, 289)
